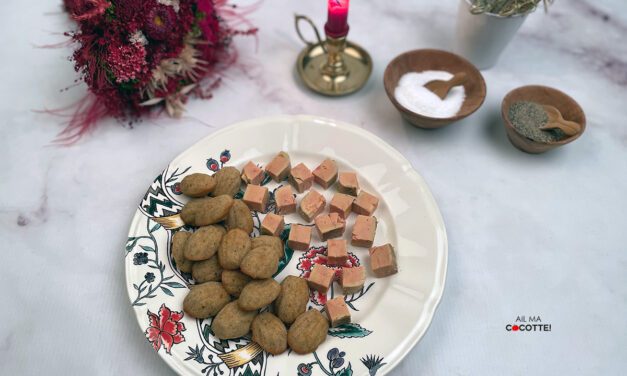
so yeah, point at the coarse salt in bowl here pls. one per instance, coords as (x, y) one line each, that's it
(412, 94)
(424, 61)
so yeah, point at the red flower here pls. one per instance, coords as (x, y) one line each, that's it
(132, 12)
(317, 255)
(165, 328)
(81, 10)
(159, 22)
(209, 23)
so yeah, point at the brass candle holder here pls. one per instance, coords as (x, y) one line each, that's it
(332, 67)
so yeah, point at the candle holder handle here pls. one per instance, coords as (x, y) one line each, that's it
(300, 17)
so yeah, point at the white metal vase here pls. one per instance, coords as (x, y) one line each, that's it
(481, 38)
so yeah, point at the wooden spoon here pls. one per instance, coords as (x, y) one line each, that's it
(556, 121)
(442, 87)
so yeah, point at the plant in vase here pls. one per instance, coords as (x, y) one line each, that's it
(485, 27)
(506, 8)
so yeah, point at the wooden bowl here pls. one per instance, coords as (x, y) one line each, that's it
(427, 59)
(542, 95)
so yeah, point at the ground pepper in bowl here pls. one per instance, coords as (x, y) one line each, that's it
(527, 117)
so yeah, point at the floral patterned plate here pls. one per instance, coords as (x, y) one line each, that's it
(389, 315)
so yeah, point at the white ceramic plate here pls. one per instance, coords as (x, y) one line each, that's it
(389, 315)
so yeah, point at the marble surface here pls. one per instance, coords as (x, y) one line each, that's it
(540, 235)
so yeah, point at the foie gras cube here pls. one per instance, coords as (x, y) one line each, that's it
(321, 278)
(300, 237)
(348, 183)
(337, 311)
(301, 178)
(353, 279)
(330, 225)
(363, 231)
(337, 253)
(311, 205)
(252, 174)
(272, 224)
(285, 200)
(256, 197)
(365, 203)
(326, 173)
(383, 260)
(279, 167)
(341, 204)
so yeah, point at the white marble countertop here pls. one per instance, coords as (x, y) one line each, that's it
(528, 234)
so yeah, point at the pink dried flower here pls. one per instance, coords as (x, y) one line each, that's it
(182, 53)
(127, 61)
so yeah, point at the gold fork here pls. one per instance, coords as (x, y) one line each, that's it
(241, 356)
(172, 222)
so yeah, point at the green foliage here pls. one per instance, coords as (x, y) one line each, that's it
(287, 251)
(249, 372)
(351, 330)
(348, 371)
(110, 13)
(506, 8)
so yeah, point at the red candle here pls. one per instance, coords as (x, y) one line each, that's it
(337, 25)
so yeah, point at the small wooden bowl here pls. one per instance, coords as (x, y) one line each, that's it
(427, 59)
(569, 108)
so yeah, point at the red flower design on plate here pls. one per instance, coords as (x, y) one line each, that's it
(176, 189)
(225, 156)
(212, 165)
(165, 328)
(317, 255)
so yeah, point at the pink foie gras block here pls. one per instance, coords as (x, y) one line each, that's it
(301, 178)
(326, 173)
(256, 197)
(337, 311)
(353, 279)
(365, 203)
(337, 253)
(364, 230)
(279, 167)
(285, 200)
(341, 204)
(300, 237)
(383, 260)
(272, 224)
(252, 174)
(321, 278)
(330, 225)
(311, 205)
(348, 183)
